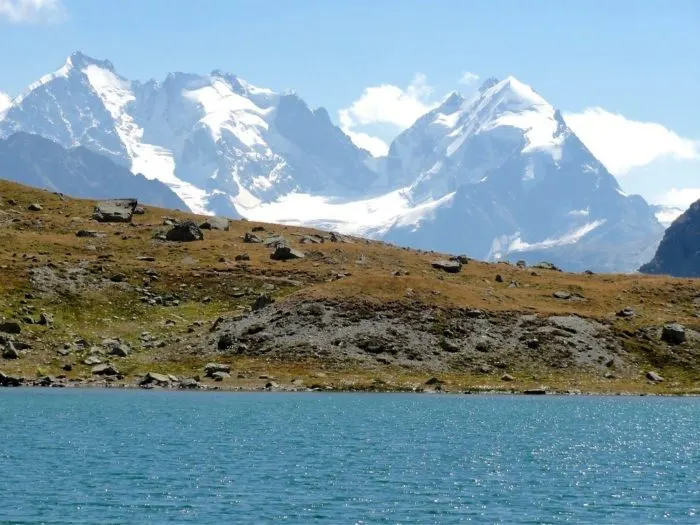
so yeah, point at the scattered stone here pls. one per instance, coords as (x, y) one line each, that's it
(535, 392)
(153, 377)
(499, 278)
(544, 265)
(10, 352)
(117, 210)
(285, 253)
(220, 376)
(625, 313)
(251, 238)
(92, 360)
(104, 370)
(673, 334)
(242, 257)
(215, 223)
(45, 319)
(226, 341)
(311, 239)
(10, 381)
(561, 294)
(189, 382)
(449, 346)
(67, 367)
(212, 368)
(653, 376)
(447, 266)
(507, 377)
(533, 343)
(34, 207)
(90, 233)
(10, 327)
(118, 278)
(261, 301)
(186, 231)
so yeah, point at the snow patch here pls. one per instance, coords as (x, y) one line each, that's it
(518, 245)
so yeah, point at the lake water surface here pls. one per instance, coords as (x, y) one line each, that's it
(97, 456)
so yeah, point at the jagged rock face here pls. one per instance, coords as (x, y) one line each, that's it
(495, 176)
(679, 251)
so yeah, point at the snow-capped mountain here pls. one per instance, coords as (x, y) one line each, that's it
(520, 183)
(5, 101)
(498, 175)
(217, 141)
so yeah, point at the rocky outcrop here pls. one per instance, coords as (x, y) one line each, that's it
(679, 251)
(186, 231)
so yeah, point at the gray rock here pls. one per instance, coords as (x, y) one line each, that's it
(653, 376)
(673, 334)
(45, 319)
(212, 368)
(10, 352)
(186, 231)
(116, 210)
(154, 377)
(104, 370)
(189, 382)
(226, 341)
(34, 207)
(93, 234)
(116, 348)
(507, 377)
(561, 294)
(220, 376)
(625, 313)
(10, 327)
(544, 265)
(447, 266)
(92, 360)
(285, 253)
(261, 301)
(251, 238)
(450, 346)
(215, 223)
(276, 241)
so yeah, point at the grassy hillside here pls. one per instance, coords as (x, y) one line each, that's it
(352, 314)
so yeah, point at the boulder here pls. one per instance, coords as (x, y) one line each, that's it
(544, 265)
(499, 278)
(220, 376)
(226, 341)
(285, 253)
(653, 376)
(561, 294)
(186, 231)
(212, 368)
(189, 382)
(10, 352)
(673, 334)
(34, 207)
(242, 257)
(625, 313)
(276, 241)
(153, 377)
(104, 370)
(251, 238)
(507, 377)
(215, 223)
(6, 380)
(447, 266)
(10, 327)
(261, 301)
(115, 210)
(45, 319)
(92, 360)
(93, 234)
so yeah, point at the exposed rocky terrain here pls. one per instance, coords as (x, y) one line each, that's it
(117, 294)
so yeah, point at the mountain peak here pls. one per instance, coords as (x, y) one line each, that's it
(79, 60)
(488, 84)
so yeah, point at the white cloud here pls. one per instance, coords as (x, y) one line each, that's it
(680, 197)
(32, 11)
(468, 78)
(622, 144)
(386, 104)
(5, 101)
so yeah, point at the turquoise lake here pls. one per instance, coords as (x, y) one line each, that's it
(115, 457)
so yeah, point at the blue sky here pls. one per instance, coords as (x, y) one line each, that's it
(609, 65)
